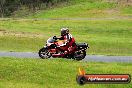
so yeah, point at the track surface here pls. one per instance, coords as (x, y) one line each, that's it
(96, 58)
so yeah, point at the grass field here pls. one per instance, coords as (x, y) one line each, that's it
(104, 36)
(86, 9)
(108, 37)
(37, 73)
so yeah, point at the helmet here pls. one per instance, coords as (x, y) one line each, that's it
(64, 31)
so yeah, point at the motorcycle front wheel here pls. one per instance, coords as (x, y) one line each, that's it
(44, 53)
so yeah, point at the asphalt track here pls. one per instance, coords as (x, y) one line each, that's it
(94, 58)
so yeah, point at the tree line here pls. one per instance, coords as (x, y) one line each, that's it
(7, 7)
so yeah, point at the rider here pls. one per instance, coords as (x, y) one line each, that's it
(67, 37)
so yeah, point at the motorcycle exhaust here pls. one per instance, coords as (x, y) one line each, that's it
(57, 55)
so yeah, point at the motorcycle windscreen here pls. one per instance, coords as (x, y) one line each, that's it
(51, 40)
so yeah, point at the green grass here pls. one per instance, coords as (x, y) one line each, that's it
(38, 73)
(83, 10)
(127, 10)
(20, 44)
(108, 37)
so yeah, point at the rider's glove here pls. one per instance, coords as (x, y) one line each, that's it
(55, 37)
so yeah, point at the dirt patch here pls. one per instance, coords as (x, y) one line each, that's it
(2, 30)
(21, 34)
(112, 11)
(103, 13)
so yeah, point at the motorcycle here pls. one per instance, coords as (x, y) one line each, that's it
(55, 49)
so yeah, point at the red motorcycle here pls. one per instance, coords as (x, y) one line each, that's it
(54, 49)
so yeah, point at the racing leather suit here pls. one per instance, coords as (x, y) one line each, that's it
(69, 41)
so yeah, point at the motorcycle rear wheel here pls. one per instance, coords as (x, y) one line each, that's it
(79, 55)
(44, 53)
